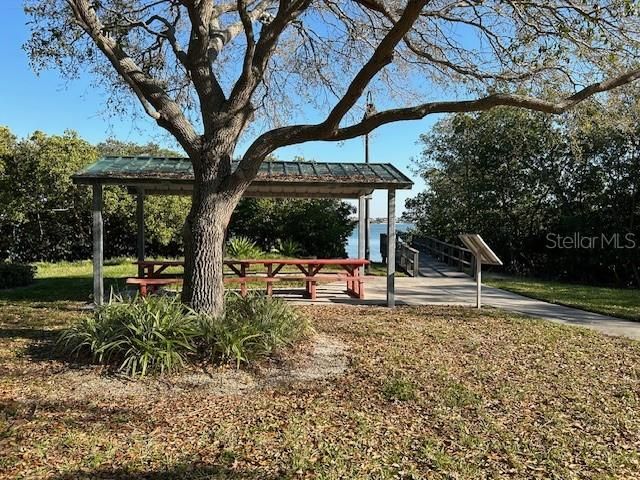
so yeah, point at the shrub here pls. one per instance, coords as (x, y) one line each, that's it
(242, 247)
(158, 333)
(251, 328)
(16, 274)
(289, 248)
(144, 334)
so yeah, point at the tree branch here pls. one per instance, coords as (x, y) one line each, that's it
(382, 56)
(210, 93)
(251, 76)
(248, 32)
(292, 135)
(149, 91)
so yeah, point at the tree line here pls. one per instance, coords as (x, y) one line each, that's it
(556, 197)
(45, 217)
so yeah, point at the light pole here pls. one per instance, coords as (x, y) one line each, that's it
(370, 109)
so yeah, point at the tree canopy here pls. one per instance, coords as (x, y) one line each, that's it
(46, 217)
(521, 179)
(217, 58)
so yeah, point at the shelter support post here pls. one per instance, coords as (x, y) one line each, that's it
(362, 224)
(98, 243)
(140, 222)
(391, 248)
(478, 282)
(367, 230)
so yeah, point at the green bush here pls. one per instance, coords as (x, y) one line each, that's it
(158, 333)
(142, 335)
(16, 274)
(320, 226)
(242, 248)
(251, 328)
(289, 248)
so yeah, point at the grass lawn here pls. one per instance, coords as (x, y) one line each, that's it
(423, 393)
(617, 302)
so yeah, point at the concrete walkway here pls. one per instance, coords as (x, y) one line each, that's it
(440, 285)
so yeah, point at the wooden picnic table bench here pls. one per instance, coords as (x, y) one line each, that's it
(152, 274)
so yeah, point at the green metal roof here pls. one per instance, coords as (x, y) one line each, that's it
(162, 175)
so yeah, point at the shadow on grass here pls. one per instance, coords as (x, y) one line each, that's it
(23, 409)
(182, 471)
(40, 334)
(43, 346)
(59, 289)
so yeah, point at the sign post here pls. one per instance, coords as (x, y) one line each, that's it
(483, 254)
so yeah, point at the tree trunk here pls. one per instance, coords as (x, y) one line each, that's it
(205, 229)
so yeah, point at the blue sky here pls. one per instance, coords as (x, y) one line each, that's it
(53, 104)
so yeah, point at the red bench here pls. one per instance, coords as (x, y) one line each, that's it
(152, 274)
(152, 285)
(147, 285)
(355, 285)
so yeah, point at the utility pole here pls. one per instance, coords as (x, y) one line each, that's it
(369, 110)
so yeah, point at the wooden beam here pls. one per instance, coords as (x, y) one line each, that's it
(140, 223)
(98, 245)
(391, 248)
(361, 226)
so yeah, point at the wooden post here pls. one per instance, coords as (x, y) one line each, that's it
(140, 221)
(361, 226)
(98, 282)
(362, 231)
(391, 248)
(478, 282)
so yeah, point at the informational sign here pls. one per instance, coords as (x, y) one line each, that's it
(482, 254)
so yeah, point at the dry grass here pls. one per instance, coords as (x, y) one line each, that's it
(427, 393)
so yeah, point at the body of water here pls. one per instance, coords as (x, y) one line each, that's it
(376, 230)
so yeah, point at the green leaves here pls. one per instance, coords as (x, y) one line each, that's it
(516, 177)
(251, 328)
(320, 227)
(141, 335)
(158, 334)
(243, 248)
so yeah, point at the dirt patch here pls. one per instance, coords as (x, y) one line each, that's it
(326, 359)
(323, 357)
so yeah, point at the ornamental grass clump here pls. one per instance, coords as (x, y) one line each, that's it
(142, 335)
(252, 327)
(158, 334)
(16, 274)
(243, 248)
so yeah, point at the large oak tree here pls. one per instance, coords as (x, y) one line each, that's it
(278, 73)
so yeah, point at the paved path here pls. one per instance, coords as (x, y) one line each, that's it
(440, 285)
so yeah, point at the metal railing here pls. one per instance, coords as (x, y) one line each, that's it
(452, 255)
(407, 257)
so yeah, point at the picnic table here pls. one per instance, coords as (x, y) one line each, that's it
(152, 273)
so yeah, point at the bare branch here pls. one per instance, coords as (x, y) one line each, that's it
(207, 87)
(292, 135)
(382, 56)
(151, 94)
(251, 77)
